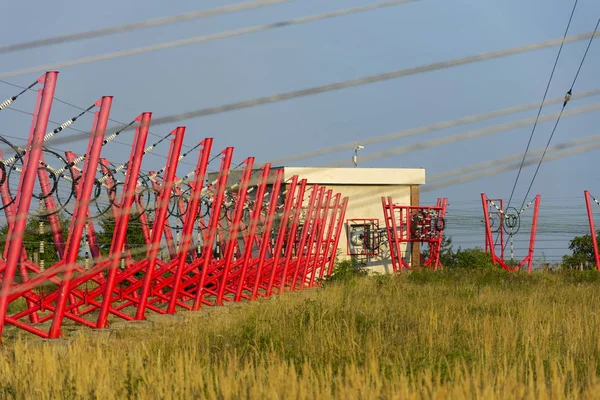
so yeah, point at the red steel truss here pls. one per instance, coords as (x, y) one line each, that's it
(252, 240)
(593, 234)
(406, 225)
(508, 223)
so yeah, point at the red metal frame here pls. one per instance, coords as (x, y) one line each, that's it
(316, 197)
(93, 242)
(593, 234)
(338, 231)
(25, 191)
(490, 245)
(285, 247)
(266, 248)
(203, 291)
(499, 230)
(160, 218)
(232, 235)
(133, 171)
(262, 277)
(250, 237)
(401, 221)
(188, 227)
(80, 214)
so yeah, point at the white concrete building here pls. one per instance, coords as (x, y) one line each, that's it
(364, 187)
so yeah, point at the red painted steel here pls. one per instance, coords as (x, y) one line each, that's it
(133, 171)
(593, 233)
(196, 194)
(161, 216)
(232, 234)
(406, 225)
(512, 220)
(25, 190)
(260, 273)
(293, 192)
(251, 241)
(80, 214)
(338, 232)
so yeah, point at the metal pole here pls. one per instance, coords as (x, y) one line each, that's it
(81, 213)
(135, 161)
(488, 229)
(267, 232)
(55, 226)
(234, 228)
(438, 243)
(26, 183)
(188, 226)
(213, 225)
(536, 210)
(291, 237)
(249, 245)
(315, 200)
(593, 235)
(329, 235)
(161, 216)
(285, 216)
(338, 234)
(315, 246)
(93, 240)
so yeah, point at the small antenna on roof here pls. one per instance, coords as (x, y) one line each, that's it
(357, 147)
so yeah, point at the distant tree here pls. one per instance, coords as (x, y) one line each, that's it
(135, 236)
(475, 258)
(32, 238)
(467, 258)
(582, 252)
(447, 255)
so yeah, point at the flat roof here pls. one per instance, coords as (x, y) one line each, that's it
(358, 176)
(341, 176)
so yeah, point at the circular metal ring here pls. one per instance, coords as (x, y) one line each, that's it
(9, 168)
(512, 221)
(63, 197)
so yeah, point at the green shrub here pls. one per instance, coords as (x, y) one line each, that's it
(473, 258)
(347, 270)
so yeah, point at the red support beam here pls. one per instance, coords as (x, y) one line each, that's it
(81, 212)
(25, 190)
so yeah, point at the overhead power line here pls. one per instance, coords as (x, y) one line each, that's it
(73, 106)
(429, 128)
(470, 134)
(568, 95)
(149, 23)
(510, 159)
(198, 39)
(350, 83)
(542, 104)
(567, 150)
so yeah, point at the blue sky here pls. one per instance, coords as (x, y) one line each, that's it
(260, 64)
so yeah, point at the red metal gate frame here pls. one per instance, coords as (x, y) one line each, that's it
(399, 231)
(593, 234)
(490, 246)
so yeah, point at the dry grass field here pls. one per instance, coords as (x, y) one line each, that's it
(455, 334)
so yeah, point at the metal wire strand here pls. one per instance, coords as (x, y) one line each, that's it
(199, 39)
(148, 23)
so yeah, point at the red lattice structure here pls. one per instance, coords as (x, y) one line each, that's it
(588, 202)
(414, 224)
(506, 223)
(225, 242)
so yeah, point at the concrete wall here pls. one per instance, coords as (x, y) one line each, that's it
(364, 187)
(365, 202)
